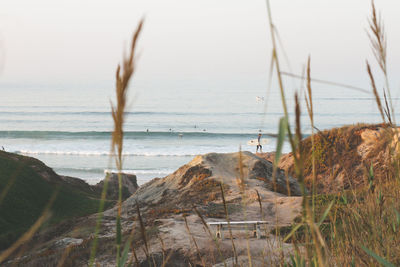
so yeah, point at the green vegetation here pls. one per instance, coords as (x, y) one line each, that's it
(25, 194)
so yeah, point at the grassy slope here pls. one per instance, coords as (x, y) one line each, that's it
(29, 193)
(367, 214)
(336, 153)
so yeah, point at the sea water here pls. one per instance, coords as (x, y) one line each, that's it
(69, 127)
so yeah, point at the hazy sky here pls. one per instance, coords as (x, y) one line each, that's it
(81, 41)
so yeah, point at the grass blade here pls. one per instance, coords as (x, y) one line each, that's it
(283, 125)
(124, 256)
(142, 230)
(326, 213)
(194, 241)
(206, 227)
(228, 220)
(294, 229)
(377, 257)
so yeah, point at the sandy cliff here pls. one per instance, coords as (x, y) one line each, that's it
(164, 202)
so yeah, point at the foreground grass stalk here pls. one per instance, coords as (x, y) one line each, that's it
(279, 76)
(377, 37)
(242, 188)
(331, 83)
(275, 58)
(98, 220)
(319, 245)
(122, 83)
(117, 112)
(229, 223)
(143, 234)
(375, 91)
(194, 241)
(310, 110)
(295, 142)
(207, 229)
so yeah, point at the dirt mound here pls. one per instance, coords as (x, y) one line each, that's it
(343, 156)
(198, 181)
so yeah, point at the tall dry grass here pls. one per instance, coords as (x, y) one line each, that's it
(363, 232)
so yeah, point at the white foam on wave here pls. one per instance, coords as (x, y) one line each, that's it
(97, 153)
(129, 171)
(165, 171)
(55, 152)
(143, 152)
(93, 177)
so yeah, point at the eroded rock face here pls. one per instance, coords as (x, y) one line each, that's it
(129, 185)
(197, 172)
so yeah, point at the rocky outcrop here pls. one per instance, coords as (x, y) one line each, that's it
(129, 185)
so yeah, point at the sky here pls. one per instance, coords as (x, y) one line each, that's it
(217, 42)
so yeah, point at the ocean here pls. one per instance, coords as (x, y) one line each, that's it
(68, 127)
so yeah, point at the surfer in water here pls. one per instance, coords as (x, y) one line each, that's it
(259, 143)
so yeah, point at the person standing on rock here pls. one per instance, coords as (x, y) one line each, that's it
(259, 146)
